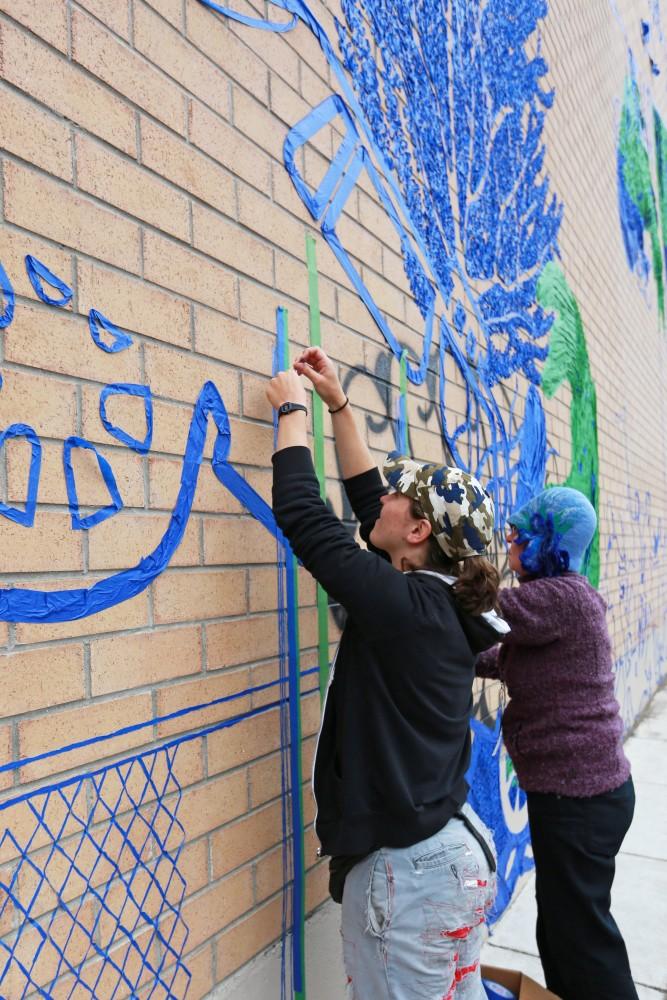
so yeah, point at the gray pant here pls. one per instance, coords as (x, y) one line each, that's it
(413, 918)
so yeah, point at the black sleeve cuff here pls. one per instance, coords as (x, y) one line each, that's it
(290, 460)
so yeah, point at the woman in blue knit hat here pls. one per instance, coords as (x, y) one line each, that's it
(563, 731)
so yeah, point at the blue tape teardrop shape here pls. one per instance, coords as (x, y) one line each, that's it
(26, 517)
(9, 299)
(40, 273)
(120, 340)
(128, 389)
(80, 523)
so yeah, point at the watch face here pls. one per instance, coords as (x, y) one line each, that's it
(284, 408)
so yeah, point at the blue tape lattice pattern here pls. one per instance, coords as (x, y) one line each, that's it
(94, 892)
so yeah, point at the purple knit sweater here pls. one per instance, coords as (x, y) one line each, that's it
(562, 726)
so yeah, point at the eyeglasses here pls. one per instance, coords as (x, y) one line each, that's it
(511, 533)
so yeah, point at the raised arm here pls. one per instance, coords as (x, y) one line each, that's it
(353, 455)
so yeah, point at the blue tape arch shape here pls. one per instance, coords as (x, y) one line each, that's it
(24, 605)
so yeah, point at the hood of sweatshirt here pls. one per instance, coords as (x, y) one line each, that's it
(481, 631)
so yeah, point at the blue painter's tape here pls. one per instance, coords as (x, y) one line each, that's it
(38, 273)
(8, 296)
(179, 713)
(128, 389)
(487, 461)
(120, 341)
(288, 617)
(533, 454)
(326, 112)
(17, 604)
(25, 517)
(500, 803)
(251, 22)
(84, 523)
(360, 162)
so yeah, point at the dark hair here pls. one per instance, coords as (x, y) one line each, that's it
(543, 555)
(478, 580)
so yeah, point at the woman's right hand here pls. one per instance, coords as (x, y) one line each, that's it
(320, 370)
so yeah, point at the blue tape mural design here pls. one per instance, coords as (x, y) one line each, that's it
(127, 389)
(443, 116)
(40, 273)
(40, 937)
(447, 129)
(458, 107)
(94, 883)
(29, 605)
(84, 523)
(498, 800)
(9, 299)
(26, 517)
(120, 340)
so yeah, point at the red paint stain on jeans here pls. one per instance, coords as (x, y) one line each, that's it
(467, 970)
(461, 932)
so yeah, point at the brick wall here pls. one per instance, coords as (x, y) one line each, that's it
(142, 163)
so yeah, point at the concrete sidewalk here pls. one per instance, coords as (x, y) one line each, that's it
(639, 898)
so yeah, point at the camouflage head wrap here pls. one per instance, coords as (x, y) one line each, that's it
(456, 505)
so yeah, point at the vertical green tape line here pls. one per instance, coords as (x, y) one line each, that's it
(568, 361)
(299, 890)
(318, 437)
(403, 445)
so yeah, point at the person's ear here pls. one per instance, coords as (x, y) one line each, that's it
(420, 531)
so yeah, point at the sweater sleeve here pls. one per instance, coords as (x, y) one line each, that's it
(374, 593)
(532, 610)
(486, 664)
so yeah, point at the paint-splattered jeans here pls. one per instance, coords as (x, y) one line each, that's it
(413, 918)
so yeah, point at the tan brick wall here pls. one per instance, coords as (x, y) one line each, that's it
(142, 163)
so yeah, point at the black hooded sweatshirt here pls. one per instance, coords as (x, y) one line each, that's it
(394, 743)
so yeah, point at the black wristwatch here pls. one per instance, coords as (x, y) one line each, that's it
(286, 408)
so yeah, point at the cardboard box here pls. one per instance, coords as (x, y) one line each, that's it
(521, 985)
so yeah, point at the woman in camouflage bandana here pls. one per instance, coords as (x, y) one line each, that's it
(412, 864)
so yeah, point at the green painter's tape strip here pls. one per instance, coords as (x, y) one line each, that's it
(636, 167)
(318, 436)
(300, 902)
(403, 384)
(567, 361)
(403, 445)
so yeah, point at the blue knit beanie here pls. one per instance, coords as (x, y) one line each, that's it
(558, 526)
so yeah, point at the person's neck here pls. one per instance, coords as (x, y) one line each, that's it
(407, 561)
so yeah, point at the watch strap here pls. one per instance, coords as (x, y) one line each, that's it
(286, 408)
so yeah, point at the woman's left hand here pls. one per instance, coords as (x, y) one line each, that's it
(286, 387)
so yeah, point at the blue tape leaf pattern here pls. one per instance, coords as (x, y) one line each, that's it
(458, 106)
(25, 517)
(80, 523)
(128, 389)
(9, 297)
(40, 273)
(119, 339)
